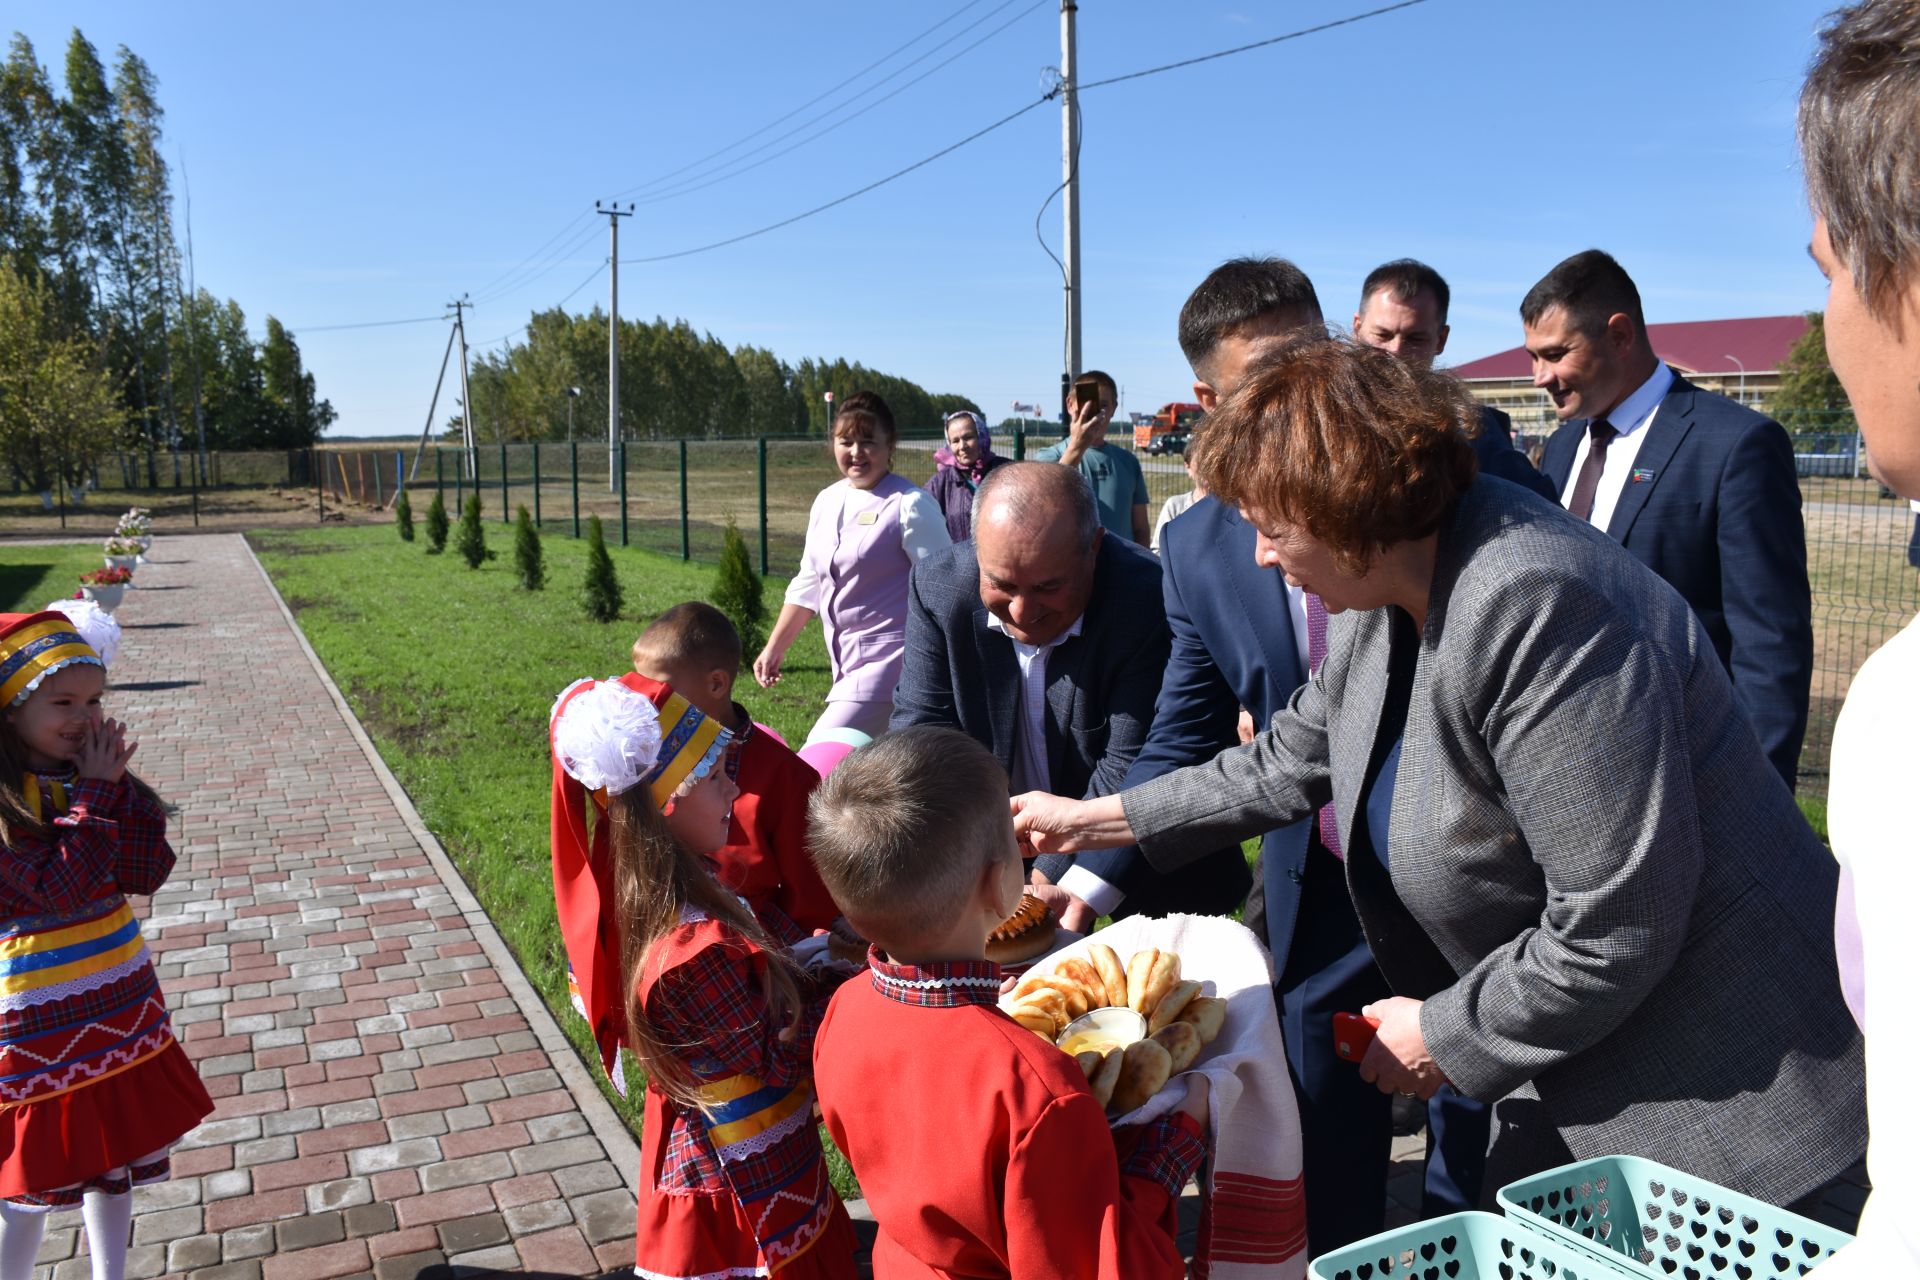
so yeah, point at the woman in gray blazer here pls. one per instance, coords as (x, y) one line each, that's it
(1594, 899)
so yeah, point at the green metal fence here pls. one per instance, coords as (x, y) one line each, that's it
(677, 496)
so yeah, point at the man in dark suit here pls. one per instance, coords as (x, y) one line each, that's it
(1240, 639)
(1403, 310)
(1701, 490)
(1045, 641)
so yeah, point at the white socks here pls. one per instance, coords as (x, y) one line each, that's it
(108, 1220)
(20, 1232)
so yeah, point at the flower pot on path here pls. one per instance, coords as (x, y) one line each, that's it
(107, 598)
(122, 562)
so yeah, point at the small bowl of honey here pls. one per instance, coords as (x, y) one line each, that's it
(1102, 1030)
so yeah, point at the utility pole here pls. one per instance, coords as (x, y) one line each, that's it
(190, 304)
(432, 405)
(614, 214)
(1070, 161)
(468, 438)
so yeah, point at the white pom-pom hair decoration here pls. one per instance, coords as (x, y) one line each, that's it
(606, 735)
(100, 629)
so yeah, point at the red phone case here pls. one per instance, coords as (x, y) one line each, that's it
(1352, 1034)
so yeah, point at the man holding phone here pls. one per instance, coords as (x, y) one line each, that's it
(1119, 486)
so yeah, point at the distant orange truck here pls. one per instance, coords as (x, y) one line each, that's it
(1172, 419)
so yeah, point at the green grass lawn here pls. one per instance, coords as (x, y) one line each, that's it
(32, 577)
(453, 672)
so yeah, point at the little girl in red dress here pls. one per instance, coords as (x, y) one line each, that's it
(733, 1181)
(94, 1090)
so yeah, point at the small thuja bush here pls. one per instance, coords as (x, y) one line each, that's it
(471, 541)
(737, 589)
(403, 516)
(603, 588)
(527, 559)
(437, 525)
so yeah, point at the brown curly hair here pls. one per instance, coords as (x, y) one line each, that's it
(1361, 450)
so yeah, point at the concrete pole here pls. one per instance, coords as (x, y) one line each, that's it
(471, 457)
(1070, 163)
(614, 214)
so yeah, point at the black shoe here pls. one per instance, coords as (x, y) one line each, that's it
(1409, 1115)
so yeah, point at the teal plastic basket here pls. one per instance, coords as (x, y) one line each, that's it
(1464, 1246)
(1658, 1221)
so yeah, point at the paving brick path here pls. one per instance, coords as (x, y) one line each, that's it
(392, 1100)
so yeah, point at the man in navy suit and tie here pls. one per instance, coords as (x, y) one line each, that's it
(1242, 638)
(1701, 490)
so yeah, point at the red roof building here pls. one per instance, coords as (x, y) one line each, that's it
(1740, 359)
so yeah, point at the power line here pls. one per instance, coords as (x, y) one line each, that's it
(536, 253)
(701, 182)
(364, 324)
(851, 195)
(591, 277)
(1008, 119)
(693, 164)
(559, 257)
(1258, 44)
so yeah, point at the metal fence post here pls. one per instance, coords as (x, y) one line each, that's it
(460, 488)
(319, 481)
(536, 484)
(506, 504)
(439, 475)
(623, 493)
(399, 473)
(1019, 444)
(686, 543)
(763, 506)
(573, 447)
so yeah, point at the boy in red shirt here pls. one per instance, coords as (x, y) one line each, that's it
(978, 1144)
(694, 648)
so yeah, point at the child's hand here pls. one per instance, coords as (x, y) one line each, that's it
(105, 752)
(1195, 1104)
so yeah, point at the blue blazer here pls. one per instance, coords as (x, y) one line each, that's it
(1233, 646)
(1494, 448)
(1713, 506)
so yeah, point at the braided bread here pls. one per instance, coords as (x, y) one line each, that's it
(1024, 934)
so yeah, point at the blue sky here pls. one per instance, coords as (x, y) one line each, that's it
(353, 162)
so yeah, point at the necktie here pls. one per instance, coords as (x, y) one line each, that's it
(1599, 433)
(1316, 654)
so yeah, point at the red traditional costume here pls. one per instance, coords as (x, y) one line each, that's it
(766, 858)
(741, 1190)
(978, 1144)
(738, 1185)
(94, 1089)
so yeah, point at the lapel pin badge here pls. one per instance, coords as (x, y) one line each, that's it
(1641, 475)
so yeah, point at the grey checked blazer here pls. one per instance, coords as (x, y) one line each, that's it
(1600, 887)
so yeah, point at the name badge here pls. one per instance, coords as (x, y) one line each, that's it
(867, 517)
(1641, 475)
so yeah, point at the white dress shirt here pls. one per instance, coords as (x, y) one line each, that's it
(1030, 772)
(1870, 819)
(1103, 897)
(1630, 420)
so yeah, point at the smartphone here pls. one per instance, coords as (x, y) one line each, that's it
(1086, 394)
(1352, 1034)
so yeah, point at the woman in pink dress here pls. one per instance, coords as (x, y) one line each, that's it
(864, 535)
